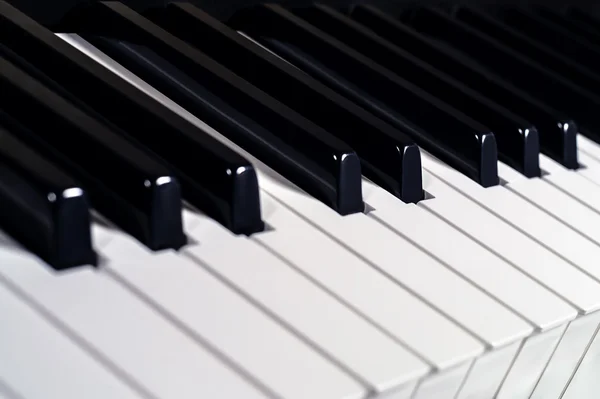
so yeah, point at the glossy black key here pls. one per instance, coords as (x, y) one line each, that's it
(518, 143)
(202, 165)
(545, 31)
(571, 24)
(583, 17)
(388, 157)
(340, 163)
(438, 128)
(236, 126)
(559, 92)
(126, 185)
(557, 133)
(43, 208)
(540, 52)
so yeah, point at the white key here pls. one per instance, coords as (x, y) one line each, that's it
(475, 263)
(362, 287)
(443, 385)
(520, 249)
(590, 168)
(510, 203)
(378, 361)
(41, 362)
(230, 324)
(572, 183)
(567, 356)
(588, 146)
(124, 332)
(411, 267)
(488, 372)
(583, 220)
(7, 392)
(585, 384)
(529, 365)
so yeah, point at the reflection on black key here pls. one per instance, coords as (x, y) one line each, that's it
(540, 52)
(578, 102)
(331, 154)
(42, 207)
(450, 135)
(202, 165)
(557, 133)
(389, 158)
(518, 143)
(124, 184)
(179, 87)
(546, 31)
(571, 24)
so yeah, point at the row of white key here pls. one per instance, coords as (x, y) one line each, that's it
(295, 207)
(352, 299)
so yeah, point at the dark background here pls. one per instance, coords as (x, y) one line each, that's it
(50, 11)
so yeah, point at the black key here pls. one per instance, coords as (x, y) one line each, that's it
(450, 135)
(42, 207)
(202, 165)
(164, 76)
(540, 52)
(340, 163)
(557, 133)
(578, 102)
(126, 185)
(518, 143)
(546, 31)
(571, 24)
(388, 157)
(583, 17)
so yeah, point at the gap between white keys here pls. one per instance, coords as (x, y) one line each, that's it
(305, 308)
(514, 233)
(123, 332)
(40, 362)
(362, 287)
(409, 266)
(468, 258)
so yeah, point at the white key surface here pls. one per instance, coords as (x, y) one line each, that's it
(362, 287)
(488, 372)
(556, 203)
(412, 267)
(469, 259)
(567, 356)
(572, 183)
(230, 324)
(443, 385)
(585, 384)
(588, 146)
(485, 226)
(40, 362)
(305, 308)
(590, 168)
(529, 365)
(125, 332)
(510, 203)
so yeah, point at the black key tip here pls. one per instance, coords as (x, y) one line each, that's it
(412, 176)
(166, 225)
(245, 217)
(349, 198)
(531, 153)
(488, 171)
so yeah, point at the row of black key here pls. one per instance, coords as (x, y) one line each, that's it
(365, 81)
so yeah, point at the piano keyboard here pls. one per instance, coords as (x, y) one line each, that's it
(299, 203)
